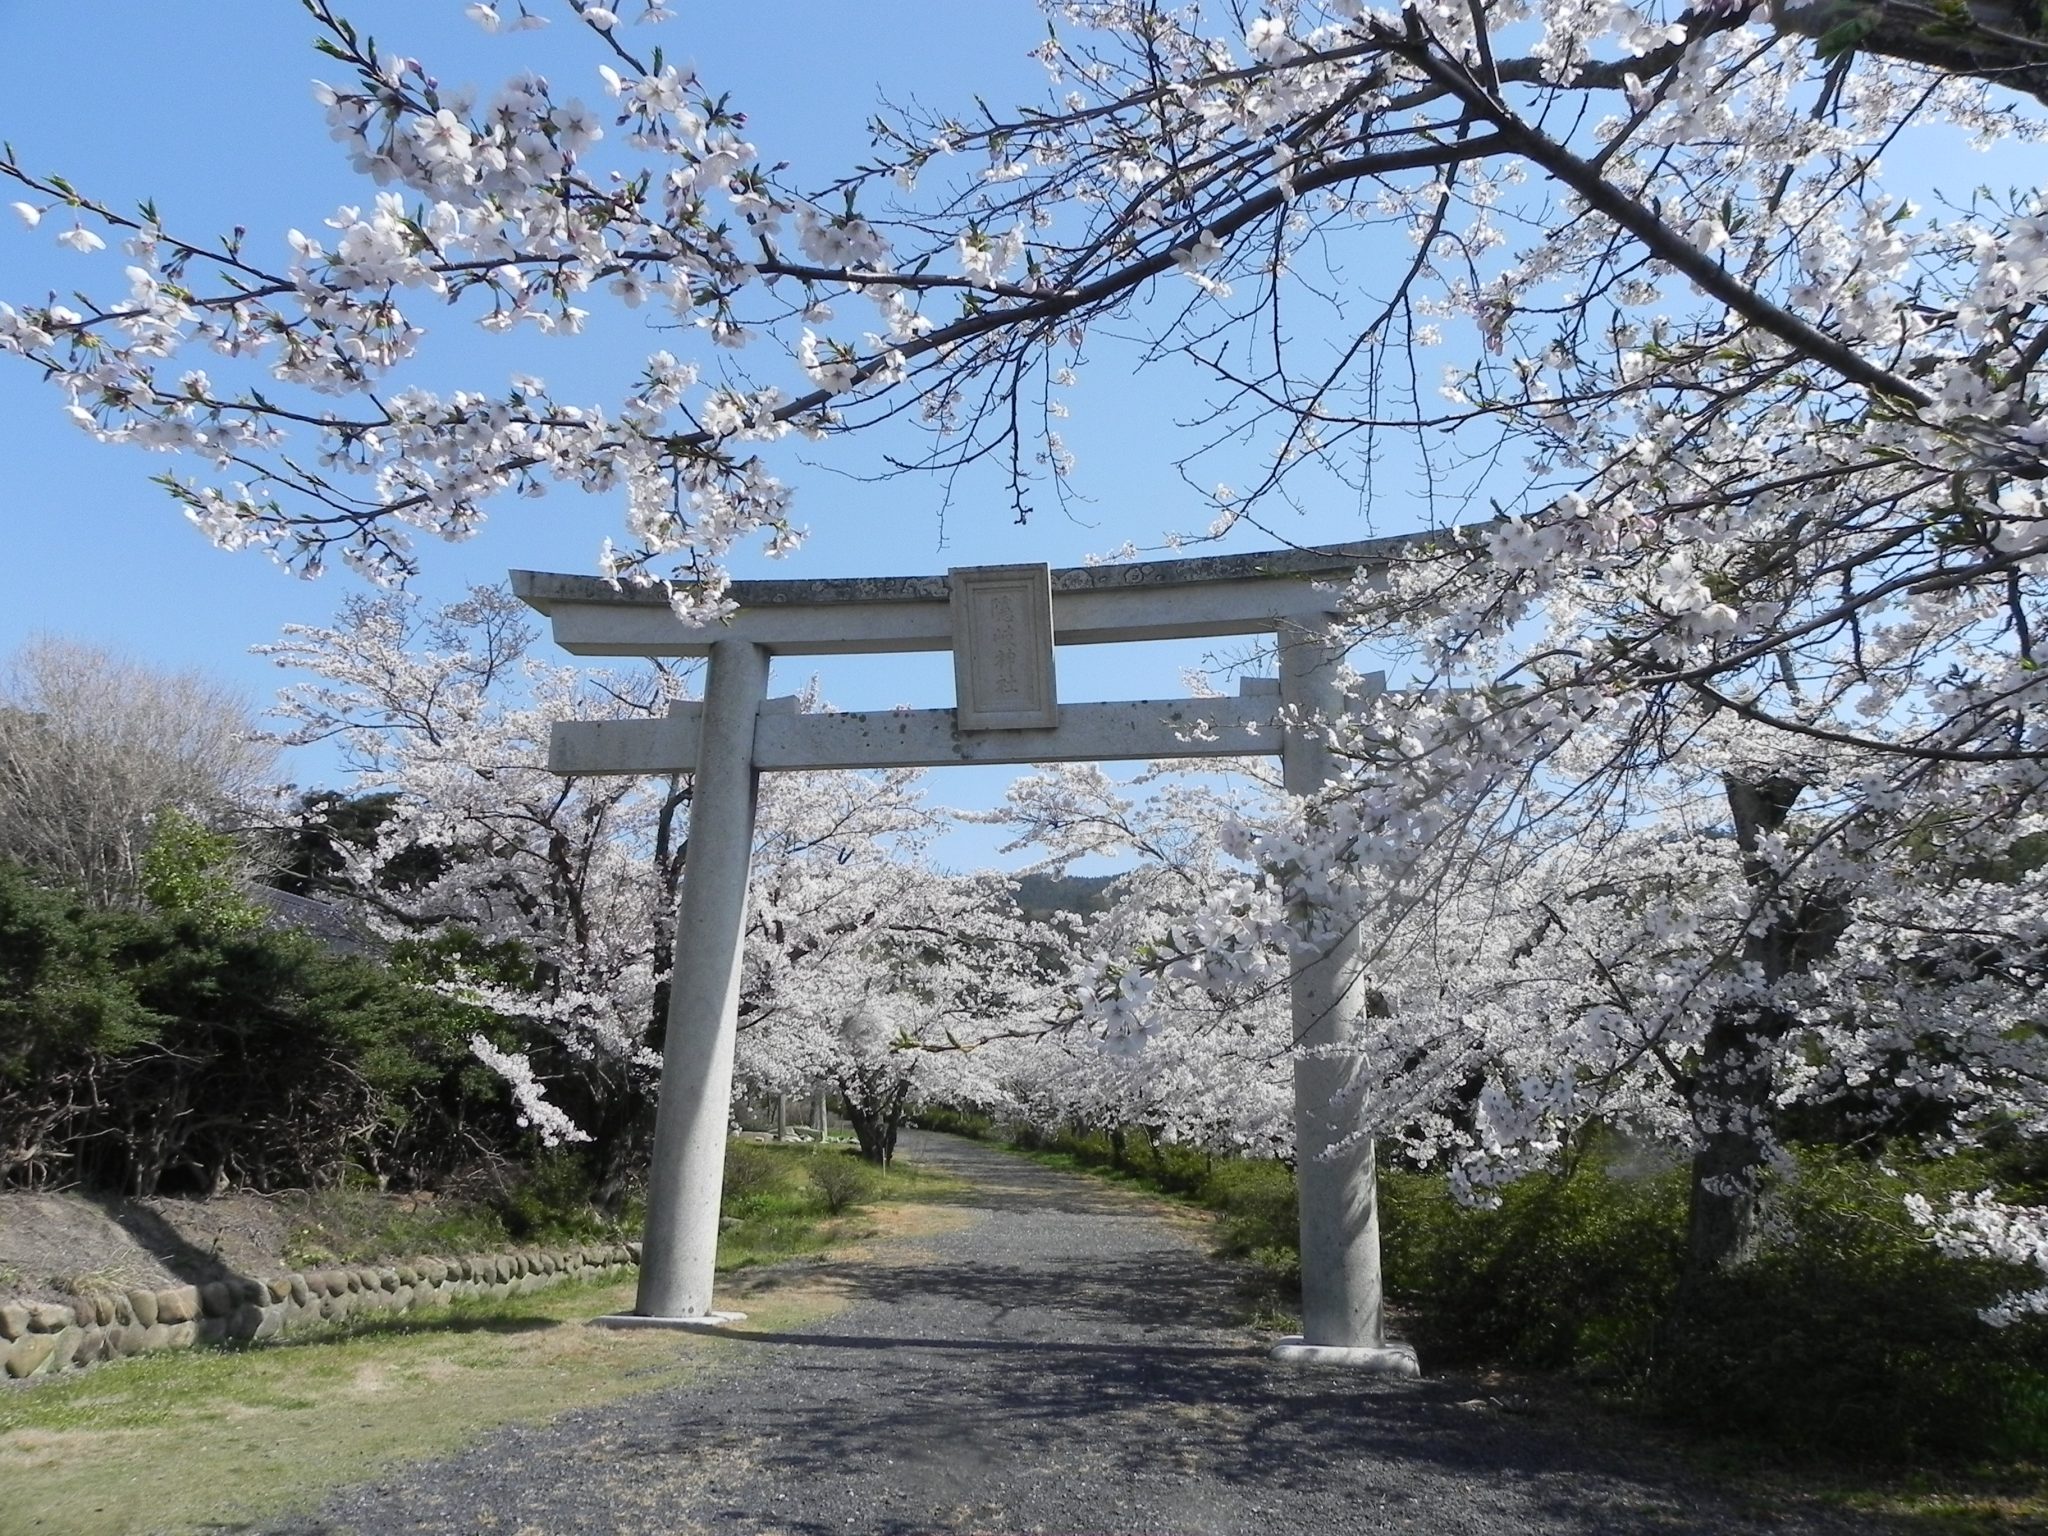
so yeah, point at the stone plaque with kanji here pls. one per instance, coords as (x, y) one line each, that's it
(1002, 648)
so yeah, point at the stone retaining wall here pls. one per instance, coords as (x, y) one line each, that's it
(40, 1338)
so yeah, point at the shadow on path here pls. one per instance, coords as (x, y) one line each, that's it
(1017, 1184)
(1067, 1363)
(739, 1336)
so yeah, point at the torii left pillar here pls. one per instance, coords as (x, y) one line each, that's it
(680, 1247)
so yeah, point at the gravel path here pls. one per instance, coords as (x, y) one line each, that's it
(1066, 1363)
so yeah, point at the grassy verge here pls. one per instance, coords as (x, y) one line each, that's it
(198, 1438)
(784, 1200)
(210, 1438)
(544, 1202)
(2000, 1500)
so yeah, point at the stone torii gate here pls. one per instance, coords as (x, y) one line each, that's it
(1001, 624)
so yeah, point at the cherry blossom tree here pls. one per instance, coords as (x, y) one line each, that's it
(552, 895)
(1156, 1051)
(1711, 964)
(1706, 199)
(871, 970)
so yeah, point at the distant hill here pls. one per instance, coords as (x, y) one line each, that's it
(1043, 895)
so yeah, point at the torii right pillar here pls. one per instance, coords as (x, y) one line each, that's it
(1343, 1315)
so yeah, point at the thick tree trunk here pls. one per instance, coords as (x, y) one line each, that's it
(877, 1137)
(876, 1117)
(2000, 41)
(620, 1133)
(1732, 1117)
(1732, 1090)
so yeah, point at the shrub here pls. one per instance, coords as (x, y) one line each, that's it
(1177, 1169)
(554, 1199)
(841, 1181)
(158, 1052)
(753, 1174)
(1260, 1211)
(957, 1122)
(1850, 1333)
(1171, 1167)
(1571, 1271)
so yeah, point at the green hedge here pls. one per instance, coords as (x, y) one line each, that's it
(1565, 1273)
(1850, 1333)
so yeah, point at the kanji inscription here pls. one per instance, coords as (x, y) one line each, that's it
(1002, 648)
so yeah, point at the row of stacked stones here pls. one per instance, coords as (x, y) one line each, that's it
(40, 1337)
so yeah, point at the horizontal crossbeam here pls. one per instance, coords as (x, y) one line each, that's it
(860, 629)
(785, 741)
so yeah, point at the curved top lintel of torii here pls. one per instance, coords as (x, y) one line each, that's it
(1091, 605)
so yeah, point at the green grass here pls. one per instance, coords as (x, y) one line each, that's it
(1987, 1500)
(770, 1189)
(776, 1201)
(352, 1226)
(196, 1440)
(200, 1438)
(545, 1203)
(1993, 1504)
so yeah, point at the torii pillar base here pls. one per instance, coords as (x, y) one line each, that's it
(708, 1322)
(1389, 1359)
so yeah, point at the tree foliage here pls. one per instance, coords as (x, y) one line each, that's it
(150, 1052)
(540, 898)
(191, 871)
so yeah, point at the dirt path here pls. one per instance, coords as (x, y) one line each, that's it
(1065, 1362)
